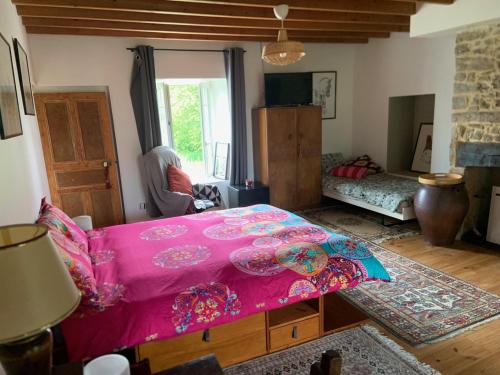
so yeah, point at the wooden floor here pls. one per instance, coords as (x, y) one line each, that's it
(476, 351)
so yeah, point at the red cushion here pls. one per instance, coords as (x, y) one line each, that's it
(355, 173)
(367, 162)
(178, 181)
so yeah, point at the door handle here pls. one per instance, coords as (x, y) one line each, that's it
(106, 164)
(295, 332)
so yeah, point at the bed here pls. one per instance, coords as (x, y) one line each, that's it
(384, 193)
(165, 278)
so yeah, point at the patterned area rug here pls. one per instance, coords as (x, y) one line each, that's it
(422, 305)
(360, 222)
(363, 349)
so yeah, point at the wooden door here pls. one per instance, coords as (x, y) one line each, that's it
(80, 156)
(282, 151)
(309, 156)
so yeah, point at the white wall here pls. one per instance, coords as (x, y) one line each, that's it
(439, 19)
(337, 133)
(74, 61)
(71, 61)
(23, 179)
(401, 66)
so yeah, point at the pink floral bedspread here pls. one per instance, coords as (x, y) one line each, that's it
(163, 278)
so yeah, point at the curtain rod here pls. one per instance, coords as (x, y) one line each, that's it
(184, 50)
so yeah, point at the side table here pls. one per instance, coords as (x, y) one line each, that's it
(240, 195)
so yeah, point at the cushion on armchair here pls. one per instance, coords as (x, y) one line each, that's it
(208, 192)
(178, 180)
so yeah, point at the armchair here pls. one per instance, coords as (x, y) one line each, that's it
(166, 203)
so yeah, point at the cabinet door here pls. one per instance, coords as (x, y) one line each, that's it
(308, 156)
(282, 151)
(80, 158)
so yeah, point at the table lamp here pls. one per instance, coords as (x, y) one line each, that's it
(36, 293)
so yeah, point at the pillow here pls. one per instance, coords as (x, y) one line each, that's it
(367, 162)
(56, 219)
(178, 181)
(355, 173)
(330, 161)
(79, 266)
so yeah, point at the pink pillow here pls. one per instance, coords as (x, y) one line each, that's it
(355, 173)
(79, 266)
(56, 219)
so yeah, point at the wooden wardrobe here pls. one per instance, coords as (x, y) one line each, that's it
(287, 154)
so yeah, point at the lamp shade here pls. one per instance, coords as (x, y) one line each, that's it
(36, 289)
(284, 51)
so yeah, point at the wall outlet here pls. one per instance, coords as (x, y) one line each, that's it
(142, 205)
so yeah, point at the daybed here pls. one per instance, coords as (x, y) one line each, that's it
(162, 279)
(383, 193)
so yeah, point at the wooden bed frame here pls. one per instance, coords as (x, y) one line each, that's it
(407, 213)
(252, 336)
(255, 335)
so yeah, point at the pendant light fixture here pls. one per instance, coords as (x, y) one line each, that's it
(284, 51)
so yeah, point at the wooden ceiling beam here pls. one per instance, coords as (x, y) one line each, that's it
(180, 36)
(337, 22)
(219, 10)
(444, 2)
(357, 6)
(207, 30)
(116, 15)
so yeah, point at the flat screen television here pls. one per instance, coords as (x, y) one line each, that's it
(288, 89)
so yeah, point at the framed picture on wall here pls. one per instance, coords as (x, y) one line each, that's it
(10, 120)
(325, 93)
(422, 155)
(221, 165)
(23, 72)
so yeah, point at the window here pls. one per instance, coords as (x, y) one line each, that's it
(194, 117)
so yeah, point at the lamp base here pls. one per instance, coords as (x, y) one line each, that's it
(32, 355)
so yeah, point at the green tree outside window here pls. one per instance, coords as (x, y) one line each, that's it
(186, 121)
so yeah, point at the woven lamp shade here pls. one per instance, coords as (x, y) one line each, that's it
(284, 51)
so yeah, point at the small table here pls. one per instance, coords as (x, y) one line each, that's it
(240, 195)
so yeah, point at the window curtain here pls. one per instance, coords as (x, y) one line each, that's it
(235, 75)
(144, 100)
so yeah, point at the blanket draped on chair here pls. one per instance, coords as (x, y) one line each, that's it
(161, 201)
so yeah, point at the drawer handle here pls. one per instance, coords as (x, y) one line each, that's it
(295, 332)
(206, 336)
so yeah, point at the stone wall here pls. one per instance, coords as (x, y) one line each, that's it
(476, 99)
(476, 120)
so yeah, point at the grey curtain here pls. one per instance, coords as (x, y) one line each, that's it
(235, 75)
(144, 100)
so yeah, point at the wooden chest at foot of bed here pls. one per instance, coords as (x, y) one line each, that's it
(232, 343)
